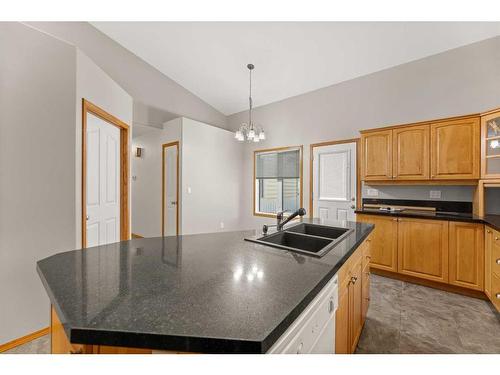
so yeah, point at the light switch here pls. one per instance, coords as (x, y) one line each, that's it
(435, 194)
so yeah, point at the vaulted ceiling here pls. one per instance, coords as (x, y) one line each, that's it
(209, 59)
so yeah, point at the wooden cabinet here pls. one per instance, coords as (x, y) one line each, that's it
(354, 295)
(455, 149)
(466, 255)
(423, 248)
(365, 295)
(376, 155)
(492, 266)
(448, 149)
(490, 145)
(411, 153)
(384, 240)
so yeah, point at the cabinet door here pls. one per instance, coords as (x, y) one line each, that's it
(355, 305)
(455, 150)
(466, 255)
(488, 243)
(342, 343)
(365, 293)
(423, 248)
(383, 245)
(411, 153)
(490, 146)
(376, 154)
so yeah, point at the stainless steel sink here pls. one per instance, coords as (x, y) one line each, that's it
(310, 239)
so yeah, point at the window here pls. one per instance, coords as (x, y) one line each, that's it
(278, 180)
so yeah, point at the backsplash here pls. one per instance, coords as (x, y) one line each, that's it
(419, 192)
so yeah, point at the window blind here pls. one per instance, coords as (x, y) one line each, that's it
(285, 164)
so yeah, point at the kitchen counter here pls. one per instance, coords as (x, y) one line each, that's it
(491, 220)
(211, 293)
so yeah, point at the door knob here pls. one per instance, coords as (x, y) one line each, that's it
(173, 203)
(353, 207)
(87, 217)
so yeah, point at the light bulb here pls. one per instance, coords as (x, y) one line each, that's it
(251, 134)
(262, 135)
(256, 139)
(241, 137)
(238, 134)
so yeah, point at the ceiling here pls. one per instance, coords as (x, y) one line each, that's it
(209, 58)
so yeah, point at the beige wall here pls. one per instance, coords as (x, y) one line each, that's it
(456, 82)
(37, 169)
(42, 82)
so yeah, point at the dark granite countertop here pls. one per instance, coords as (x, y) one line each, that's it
(212, 293)
(491, 220)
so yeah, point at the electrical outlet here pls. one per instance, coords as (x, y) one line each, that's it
(372, 192)
(435, 194)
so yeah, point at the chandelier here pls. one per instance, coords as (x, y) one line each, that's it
(250, 131)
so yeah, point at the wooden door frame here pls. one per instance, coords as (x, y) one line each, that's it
(311, 165)
(163, 147)
(88, 107)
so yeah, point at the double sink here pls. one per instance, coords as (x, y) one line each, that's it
(310, 239)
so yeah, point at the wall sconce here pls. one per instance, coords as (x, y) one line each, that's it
(138, 152)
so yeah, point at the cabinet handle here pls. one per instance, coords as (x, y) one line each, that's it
(498, 261)
(353, 280)
(497, 295)
(488, 231)
(496, 238)
(368, 257)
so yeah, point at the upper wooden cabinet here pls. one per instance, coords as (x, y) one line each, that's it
(410, 159)
(440, 150)
(490, 145)
(455, 149)
(377, 155)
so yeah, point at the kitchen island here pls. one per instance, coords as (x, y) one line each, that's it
(204, 293)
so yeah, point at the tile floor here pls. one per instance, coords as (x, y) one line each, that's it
(407, 318)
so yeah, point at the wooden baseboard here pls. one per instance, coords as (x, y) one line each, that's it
(136, 236)
(23, 340)
(430, 284)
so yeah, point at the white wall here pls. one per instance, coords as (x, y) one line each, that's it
(456, 82)
(37, 170)
(95, 86)
(146, 189)
(42, 83)
(211, 168)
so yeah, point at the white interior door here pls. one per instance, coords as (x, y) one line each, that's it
(171, 205)
(334, 181)
(103, 182)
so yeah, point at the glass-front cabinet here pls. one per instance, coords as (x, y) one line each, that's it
(490, 153)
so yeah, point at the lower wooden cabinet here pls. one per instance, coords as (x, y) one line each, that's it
(384, 241)
(466, 252)
(492, 266)
(354, 297)
(423, 248)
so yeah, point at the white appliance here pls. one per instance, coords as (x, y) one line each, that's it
(313, 331)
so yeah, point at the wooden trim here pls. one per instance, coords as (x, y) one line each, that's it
(358, 169)
(25, 339)
(427, 122)
(421, 182)
(301, 175)
(163, 147)
(478, 202)
(88, 107)
(136, 236)
(430, 284)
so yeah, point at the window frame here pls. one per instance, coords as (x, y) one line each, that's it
(301, 175)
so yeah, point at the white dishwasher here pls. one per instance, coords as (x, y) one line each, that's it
(314, 330)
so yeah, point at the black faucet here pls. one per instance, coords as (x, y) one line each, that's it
(279, 216)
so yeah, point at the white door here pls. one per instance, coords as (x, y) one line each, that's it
(334, 181)
(103, 182)
(171, 205)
